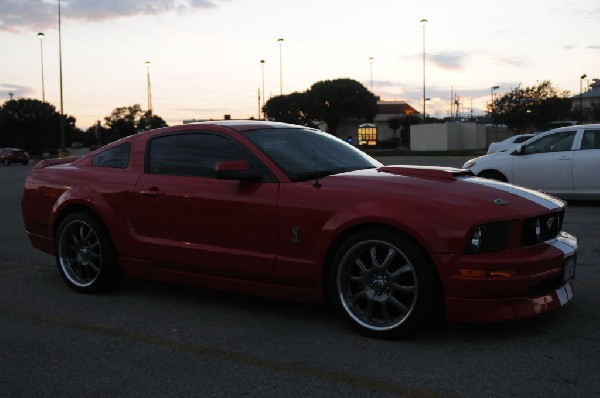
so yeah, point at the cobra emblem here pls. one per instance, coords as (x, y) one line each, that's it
(296, 235)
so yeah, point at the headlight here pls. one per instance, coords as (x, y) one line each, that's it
(475, 243)
(540, 229)
(469, 164)
(493, 236)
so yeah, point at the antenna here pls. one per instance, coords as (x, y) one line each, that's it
(317, 184)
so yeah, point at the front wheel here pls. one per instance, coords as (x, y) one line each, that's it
(85, 255)
(384, 284)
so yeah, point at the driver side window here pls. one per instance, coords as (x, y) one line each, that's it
(557, 142)
(193, 154)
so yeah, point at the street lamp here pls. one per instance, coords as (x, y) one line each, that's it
(41, 37)
(581, 98)
(371, 61)
(492, 97)
(280, 41)
(62, 114)
(424, 22)
(262, 65)
(147, 63)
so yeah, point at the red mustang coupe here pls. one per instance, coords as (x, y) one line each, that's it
(288, 212)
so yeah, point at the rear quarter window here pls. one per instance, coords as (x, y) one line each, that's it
(116, 157)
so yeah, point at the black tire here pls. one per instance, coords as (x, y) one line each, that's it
(25, 162)
(493, 175)
(85, 254)
(7, 162)
(384, 284)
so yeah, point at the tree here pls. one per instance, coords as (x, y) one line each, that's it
(149, 121)
(129, 120)
(292, 108)
(33, 125)
(408, 121)
(394, 123)
(330, 100)
(524, 109)
(326, 101)
(122, 121)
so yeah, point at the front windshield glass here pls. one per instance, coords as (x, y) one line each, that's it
(304, 154)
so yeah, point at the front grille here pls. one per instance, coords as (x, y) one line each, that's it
(542, 228)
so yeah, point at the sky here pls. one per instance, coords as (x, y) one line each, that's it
(205, 54)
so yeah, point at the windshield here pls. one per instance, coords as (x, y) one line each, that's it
(304, 154)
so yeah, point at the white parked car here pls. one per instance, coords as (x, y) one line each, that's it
(509, 143)
(564, 162)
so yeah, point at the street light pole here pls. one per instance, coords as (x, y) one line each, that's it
(262, 66)
(581, 98)
(424, 22)
(492, 98)
(371, 61)
(147, 63)
(62, 114)
(41, 37)
(280, 41)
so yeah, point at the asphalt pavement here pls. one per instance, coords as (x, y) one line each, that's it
(156, 340)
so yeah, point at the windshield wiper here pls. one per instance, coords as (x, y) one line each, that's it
(315, 175)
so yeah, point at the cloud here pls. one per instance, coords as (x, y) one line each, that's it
(444, 60)
(593, 47)
(511, 61)
(449, 60)
(17, 91)
(24, 15)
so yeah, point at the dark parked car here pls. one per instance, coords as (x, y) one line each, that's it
(288, 212)
(13, 155)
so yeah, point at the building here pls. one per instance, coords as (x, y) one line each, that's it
(348, 127)
(449, 136)
(586, 102)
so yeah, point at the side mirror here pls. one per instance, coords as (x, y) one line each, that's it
(518, 150)
(236, 170)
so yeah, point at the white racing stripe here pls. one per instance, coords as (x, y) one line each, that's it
(564, 293)
(566, 243)
(540, 198)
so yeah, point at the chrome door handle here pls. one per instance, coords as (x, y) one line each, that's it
(152, 192)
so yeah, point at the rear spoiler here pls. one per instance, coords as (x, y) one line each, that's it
(446, 173)
(53, 162)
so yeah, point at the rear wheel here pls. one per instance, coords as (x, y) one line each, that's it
(384, 284)
(85, 255)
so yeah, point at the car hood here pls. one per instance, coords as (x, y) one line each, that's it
(450, 188)
(494, 155)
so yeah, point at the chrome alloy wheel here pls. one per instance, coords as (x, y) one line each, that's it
(79, 253)
(377, 285)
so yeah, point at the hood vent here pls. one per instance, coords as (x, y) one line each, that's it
(446, 173)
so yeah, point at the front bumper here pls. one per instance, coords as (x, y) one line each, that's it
(543, 282)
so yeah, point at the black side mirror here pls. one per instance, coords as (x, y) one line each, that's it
(236, 170)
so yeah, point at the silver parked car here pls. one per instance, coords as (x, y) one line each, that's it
(508, 143)
(564, 162)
